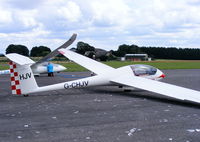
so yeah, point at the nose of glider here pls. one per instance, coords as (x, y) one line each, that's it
(162, 75)
(62, 68)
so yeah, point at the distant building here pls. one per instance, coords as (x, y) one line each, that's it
(136, 57)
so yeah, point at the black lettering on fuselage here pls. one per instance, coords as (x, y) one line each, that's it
(25, 76)
(78, 84)
(85, 83)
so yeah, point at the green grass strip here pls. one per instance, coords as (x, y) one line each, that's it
(161, 64)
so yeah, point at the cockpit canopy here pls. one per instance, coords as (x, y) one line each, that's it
(142, 70)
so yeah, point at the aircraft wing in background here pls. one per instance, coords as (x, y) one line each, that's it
(56, 52)
(39, 67)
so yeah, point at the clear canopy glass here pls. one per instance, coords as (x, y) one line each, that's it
(140, 70)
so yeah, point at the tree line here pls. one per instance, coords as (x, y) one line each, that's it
(172, 53)
(23, 50)
(92, 52)
(160, 52)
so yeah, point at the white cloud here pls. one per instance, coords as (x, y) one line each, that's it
(27, 17)
(70, 11)
(5, 16)
(105, 23)
(113, 12)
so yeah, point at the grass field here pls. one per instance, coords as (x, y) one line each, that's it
(161, 64)
(164, 64)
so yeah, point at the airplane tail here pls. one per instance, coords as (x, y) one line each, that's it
(21, 75)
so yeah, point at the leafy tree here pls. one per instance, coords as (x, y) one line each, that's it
(153, 52)
(126, 49)
(20, 49)
(172, 53)
(40, 51)
(103, 58)
(84, 47)
(111, 55)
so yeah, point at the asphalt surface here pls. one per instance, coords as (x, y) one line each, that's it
(99, 114)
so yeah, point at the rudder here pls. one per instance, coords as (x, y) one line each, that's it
(15, 85)
(21, 76)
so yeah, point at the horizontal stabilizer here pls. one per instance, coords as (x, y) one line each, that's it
(19, 59)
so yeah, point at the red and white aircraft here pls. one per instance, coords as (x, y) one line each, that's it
(137, 76)
(40, 67)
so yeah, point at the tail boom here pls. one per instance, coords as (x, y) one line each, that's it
(80, 83)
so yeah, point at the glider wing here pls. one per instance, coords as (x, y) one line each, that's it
(159, 87)
(55, 52)
(86, 62)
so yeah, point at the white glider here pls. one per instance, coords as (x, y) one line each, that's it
(4, 71)
(137, 76)
(40, 67)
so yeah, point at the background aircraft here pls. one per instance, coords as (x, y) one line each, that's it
(40, 67)
(23, 81)
(4, 71)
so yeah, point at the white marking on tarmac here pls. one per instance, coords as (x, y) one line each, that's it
(19, 137)
(170, 139)
(193, 130)
(133, 130)
(26, 126)
(54, 117)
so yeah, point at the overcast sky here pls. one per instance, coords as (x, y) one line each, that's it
(101, 23)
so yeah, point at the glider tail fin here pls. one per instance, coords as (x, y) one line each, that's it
(21, 75)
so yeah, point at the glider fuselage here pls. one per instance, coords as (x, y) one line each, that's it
(100, 80)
